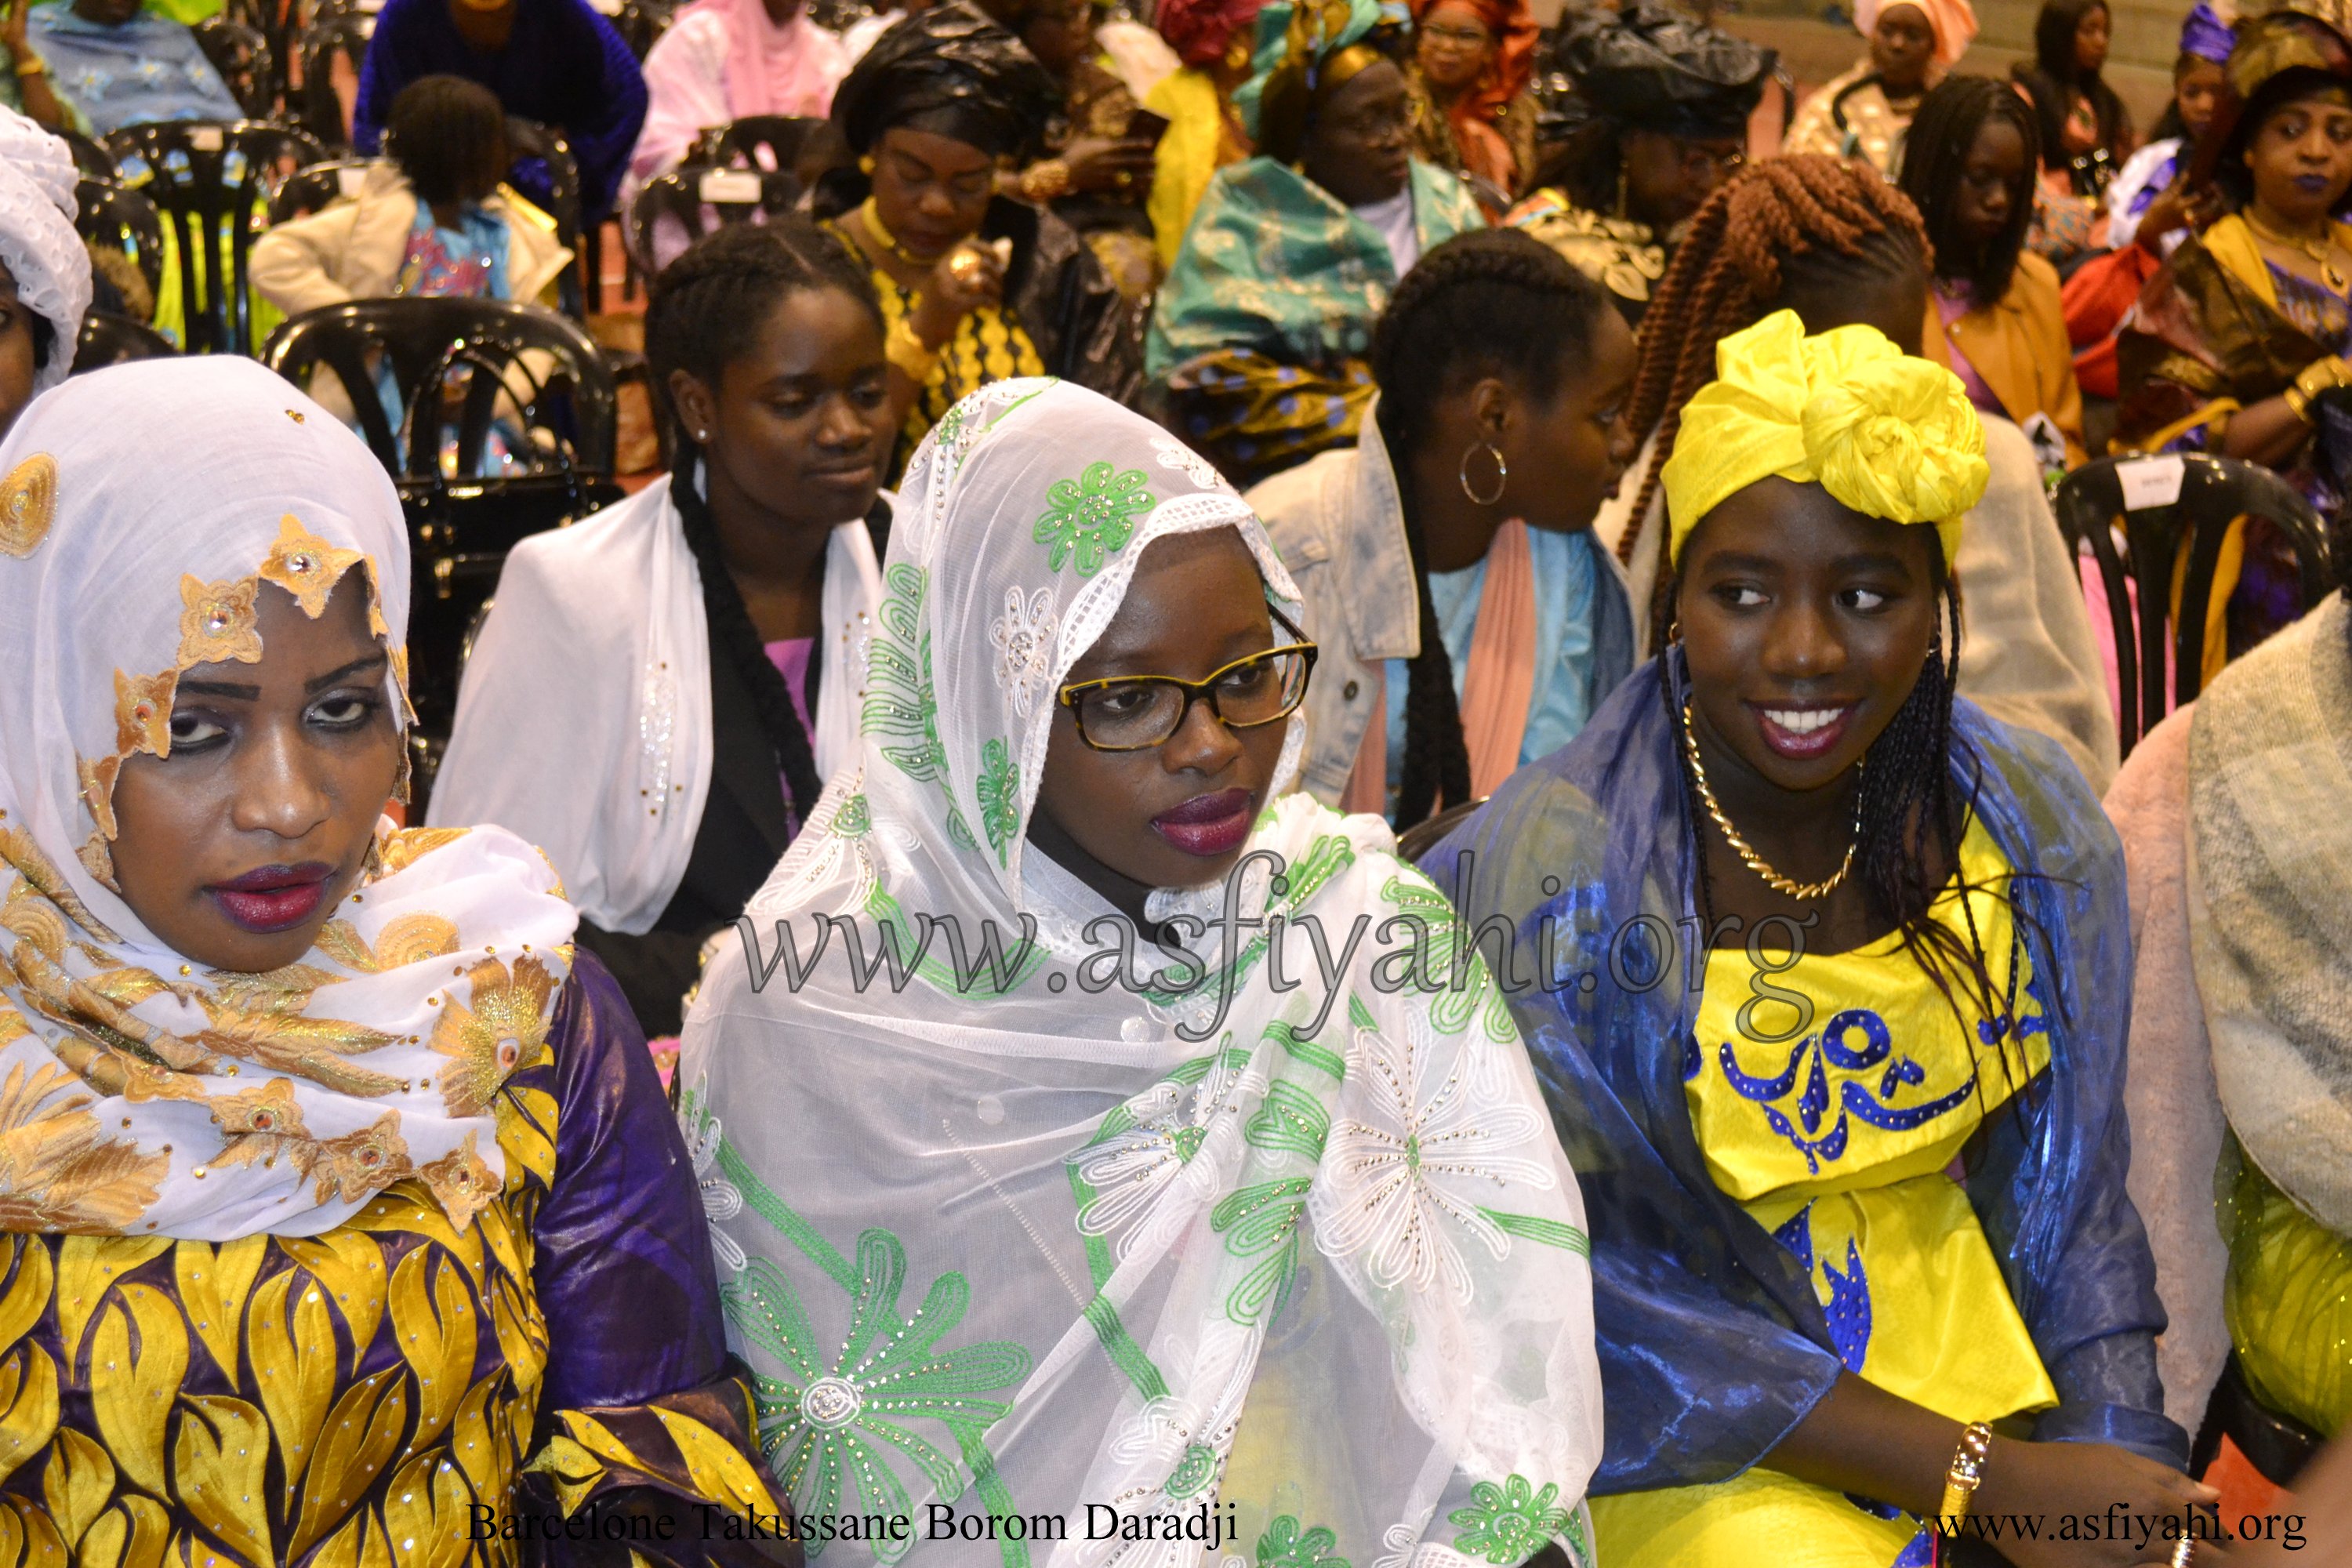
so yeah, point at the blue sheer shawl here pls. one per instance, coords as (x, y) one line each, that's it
(1712, 1344)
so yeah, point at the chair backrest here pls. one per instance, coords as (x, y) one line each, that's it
(698, 199)
(2168, 503)
(109, 339)
(1430, 832)
(435, 384)
(641, 24)
(805, 147)
(92, 159)
(124, 220)
(213, 182)
(530, 144)
(246, 61)
(345, 33)
(318, 187)
(275, 20)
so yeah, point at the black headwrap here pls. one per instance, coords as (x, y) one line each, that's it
(1648, 67)
(950, 71)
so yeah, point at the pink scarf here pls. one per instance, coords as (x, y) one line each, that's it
(789, 69)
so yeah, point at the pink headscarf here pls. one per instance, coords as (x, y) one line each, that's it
(1954, 23)
(789, 69)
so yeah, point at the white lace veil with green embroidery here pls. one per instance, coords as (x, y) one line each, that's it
(1012, 1259)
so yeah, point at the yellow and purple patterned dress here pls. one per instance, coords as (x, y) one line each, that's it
(1837, 1134)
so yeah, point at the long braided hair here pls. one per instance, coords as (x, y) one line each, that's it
(1802, 219)
(1490, 302)
(1935, 156)
(701, 314)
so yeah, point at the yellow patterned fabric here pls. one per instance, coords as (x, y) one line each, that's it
(989, 345)
(1837, 1139)
(2289, 1300)
(1888, 434)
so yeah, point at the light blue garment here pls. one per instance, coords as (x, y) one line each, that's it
(1566, 568)
(147, 69)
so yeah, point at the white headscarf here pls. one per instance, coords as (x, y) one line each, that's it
(141, 507)
(1020, 1248)
(39, 244)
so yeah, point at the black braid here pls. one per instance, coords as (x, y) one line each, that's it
(1490, 302)
(1934, 151)
(739, 639)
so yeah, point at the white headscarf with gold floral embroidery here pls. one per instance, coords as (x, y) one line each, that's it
(140, 510)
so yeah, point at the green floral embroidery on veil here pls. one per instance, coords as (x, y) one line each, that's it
(1092, 515)
(1000, 796)
(853, 818)
(901, 708)
(1285, 1545)
(834, 1425)
(1508, 1524)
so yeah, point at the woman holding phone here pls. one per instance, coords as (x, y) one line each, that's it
(1099, 149)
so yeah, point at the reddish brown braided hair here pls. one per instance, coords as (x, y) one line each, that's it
(1730, 265)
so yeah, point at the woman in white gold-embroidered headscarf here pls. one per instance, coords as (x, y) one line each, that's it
(1065, 1268)
(333, 1174)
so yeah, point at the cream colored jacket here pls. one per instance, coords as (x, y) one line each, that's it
(354, 248)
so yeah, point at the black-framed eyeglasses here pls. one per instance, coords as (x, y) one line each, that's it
(1137, 712)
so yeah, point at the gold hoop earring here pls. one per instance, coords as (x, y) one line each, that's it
(1502, 473)
(866, 165)
(1674, 632)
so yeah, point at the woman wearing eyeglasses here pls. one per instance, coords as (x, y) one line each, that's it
(1658, 119)
(1472, 113)
(1196, 1235)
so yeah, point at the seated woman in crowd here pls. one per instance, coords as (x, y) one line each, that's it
(434, 219)
(1830, 240)
(724, 61)
(937, 101)
(1167, 1209)
(1262, 330)
(1657, 120)
(558, 62)
(1876, 1200)
(341, 1178)
(1866, 113)
(1467, 620)
(2238, 344)
(2086, 133)
(45, 278)
(721, 616)
(1093, 174)
(2238, 1030)
(2150, 205)
(24, 77)
(1996, 317)
(112, 63)
(1472, 113)
(1213, 39)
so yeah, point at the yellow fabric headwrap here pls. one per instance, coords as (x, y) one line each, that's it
(1886, 433)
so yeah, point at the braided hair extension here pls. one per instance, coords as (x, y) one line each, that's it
(1772, 226)
(697, 316)
(1490, 302)
(1935, 157)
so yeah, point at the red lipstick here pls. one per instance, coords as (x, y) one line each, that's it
(273, 898)
(1209, 825)
(1817, 729)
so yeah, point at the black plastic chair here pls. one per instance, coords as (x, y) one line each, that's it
(275, 20)
(807, 148)
(528, 140)
(2278, 1446)
(1430, 832)
(94, 160)
(120, 219)
(342, 33)
(107, 339)
(2213, 492)
(318, 187)
(459, 366)
(699, 200)
(208, 179)
(246, 61)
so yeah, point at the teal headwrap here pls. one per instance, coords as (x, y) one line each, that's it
(1303, 52)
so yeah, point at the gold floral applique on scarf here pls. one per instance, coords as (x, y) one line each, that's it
(28, 504)
(306, 567)
(217, 622)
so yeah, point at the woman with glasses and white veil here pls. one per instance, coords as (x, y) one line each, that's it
(1224, 1241)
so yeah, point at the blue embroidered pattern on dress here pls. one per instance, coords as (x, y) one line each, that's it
(1848, 1308)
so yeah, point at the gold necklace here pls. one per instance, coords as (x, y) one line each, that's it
(1739, 847)
(2321, 251)
(872, 216)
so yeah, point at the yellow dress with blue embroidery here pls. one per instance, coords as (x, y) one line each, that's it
(1835, 1133)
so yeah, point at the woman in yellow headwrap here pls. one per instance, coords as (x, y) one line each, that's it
(1829, 981)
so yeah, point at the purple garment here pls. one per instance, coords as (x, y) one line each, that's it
(563, 66)
(791, 657)
(1950, 306)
